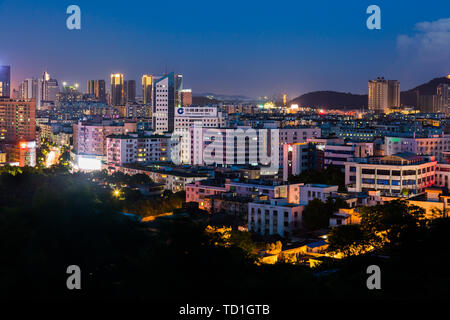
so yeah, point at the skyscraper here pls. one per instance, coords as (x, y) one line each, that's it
(166, 99)
(383, 94)
(5, 81)
(50, 88)
(117, 90)
(100, 90)
(90, 87)
(147, 88)
(130, 90)
(31, 89)
(393, 94)
(97, 89)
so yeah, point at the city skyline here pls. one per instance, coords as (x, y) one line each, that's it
(255, 51)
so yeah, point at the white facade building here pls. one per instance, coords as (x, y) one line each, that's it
(187, 117)
(435, 145)
(391, 174)
(276, 216)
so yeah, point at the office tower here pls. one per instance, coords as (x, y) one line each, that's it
(186, 97)
(393, 94)
(117, 90)
(25, 89)
(97, 89)
(31, 89)
(50, 88)
(166, 98)
(90, 87)
(383, 94)
(147, 88)
(17, 120)
(100, 90)
(130, 90)
(5, 81)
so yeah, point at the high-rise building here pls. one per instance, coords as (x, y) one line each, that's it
(17, 120)
(383, 94)
(166, 98)
(428, 103)
(5, 81)
(90, 87)
(393, 94)
(147, 81)
(31, 89)
(130, 90)
(97, 89)
(186, 97)
(50, 88)
(117, 90)
(100, 90)
(443, 93)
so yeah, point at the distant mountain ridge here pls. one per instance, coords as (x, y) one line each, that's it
(224, 97)
(342, 100)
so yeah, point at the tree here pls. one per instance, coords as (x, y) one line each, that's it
(393, 223)
(316, 214)
(348, 240)
(139, 179)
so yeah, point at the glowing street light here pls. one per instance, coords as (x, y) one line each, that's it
(116, 193)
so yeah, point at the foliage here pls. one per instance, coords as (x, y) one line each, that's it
(394, 222)
(316, 214)
(274, 248)
(347, 240)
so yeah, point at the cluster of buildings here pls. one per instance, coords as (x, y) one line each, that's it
(236, 159)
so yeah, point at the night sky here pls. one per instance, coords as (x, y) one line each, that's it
(230, 47)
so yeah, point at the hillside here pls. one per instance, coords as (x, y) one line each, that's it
(331, 100)
(341, 100)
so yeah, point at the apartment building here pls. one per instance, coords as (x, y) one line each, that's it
(89, 138)
(134, 147)
(292, 135)
(298, 157)
(198, 191)
(276, 216)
